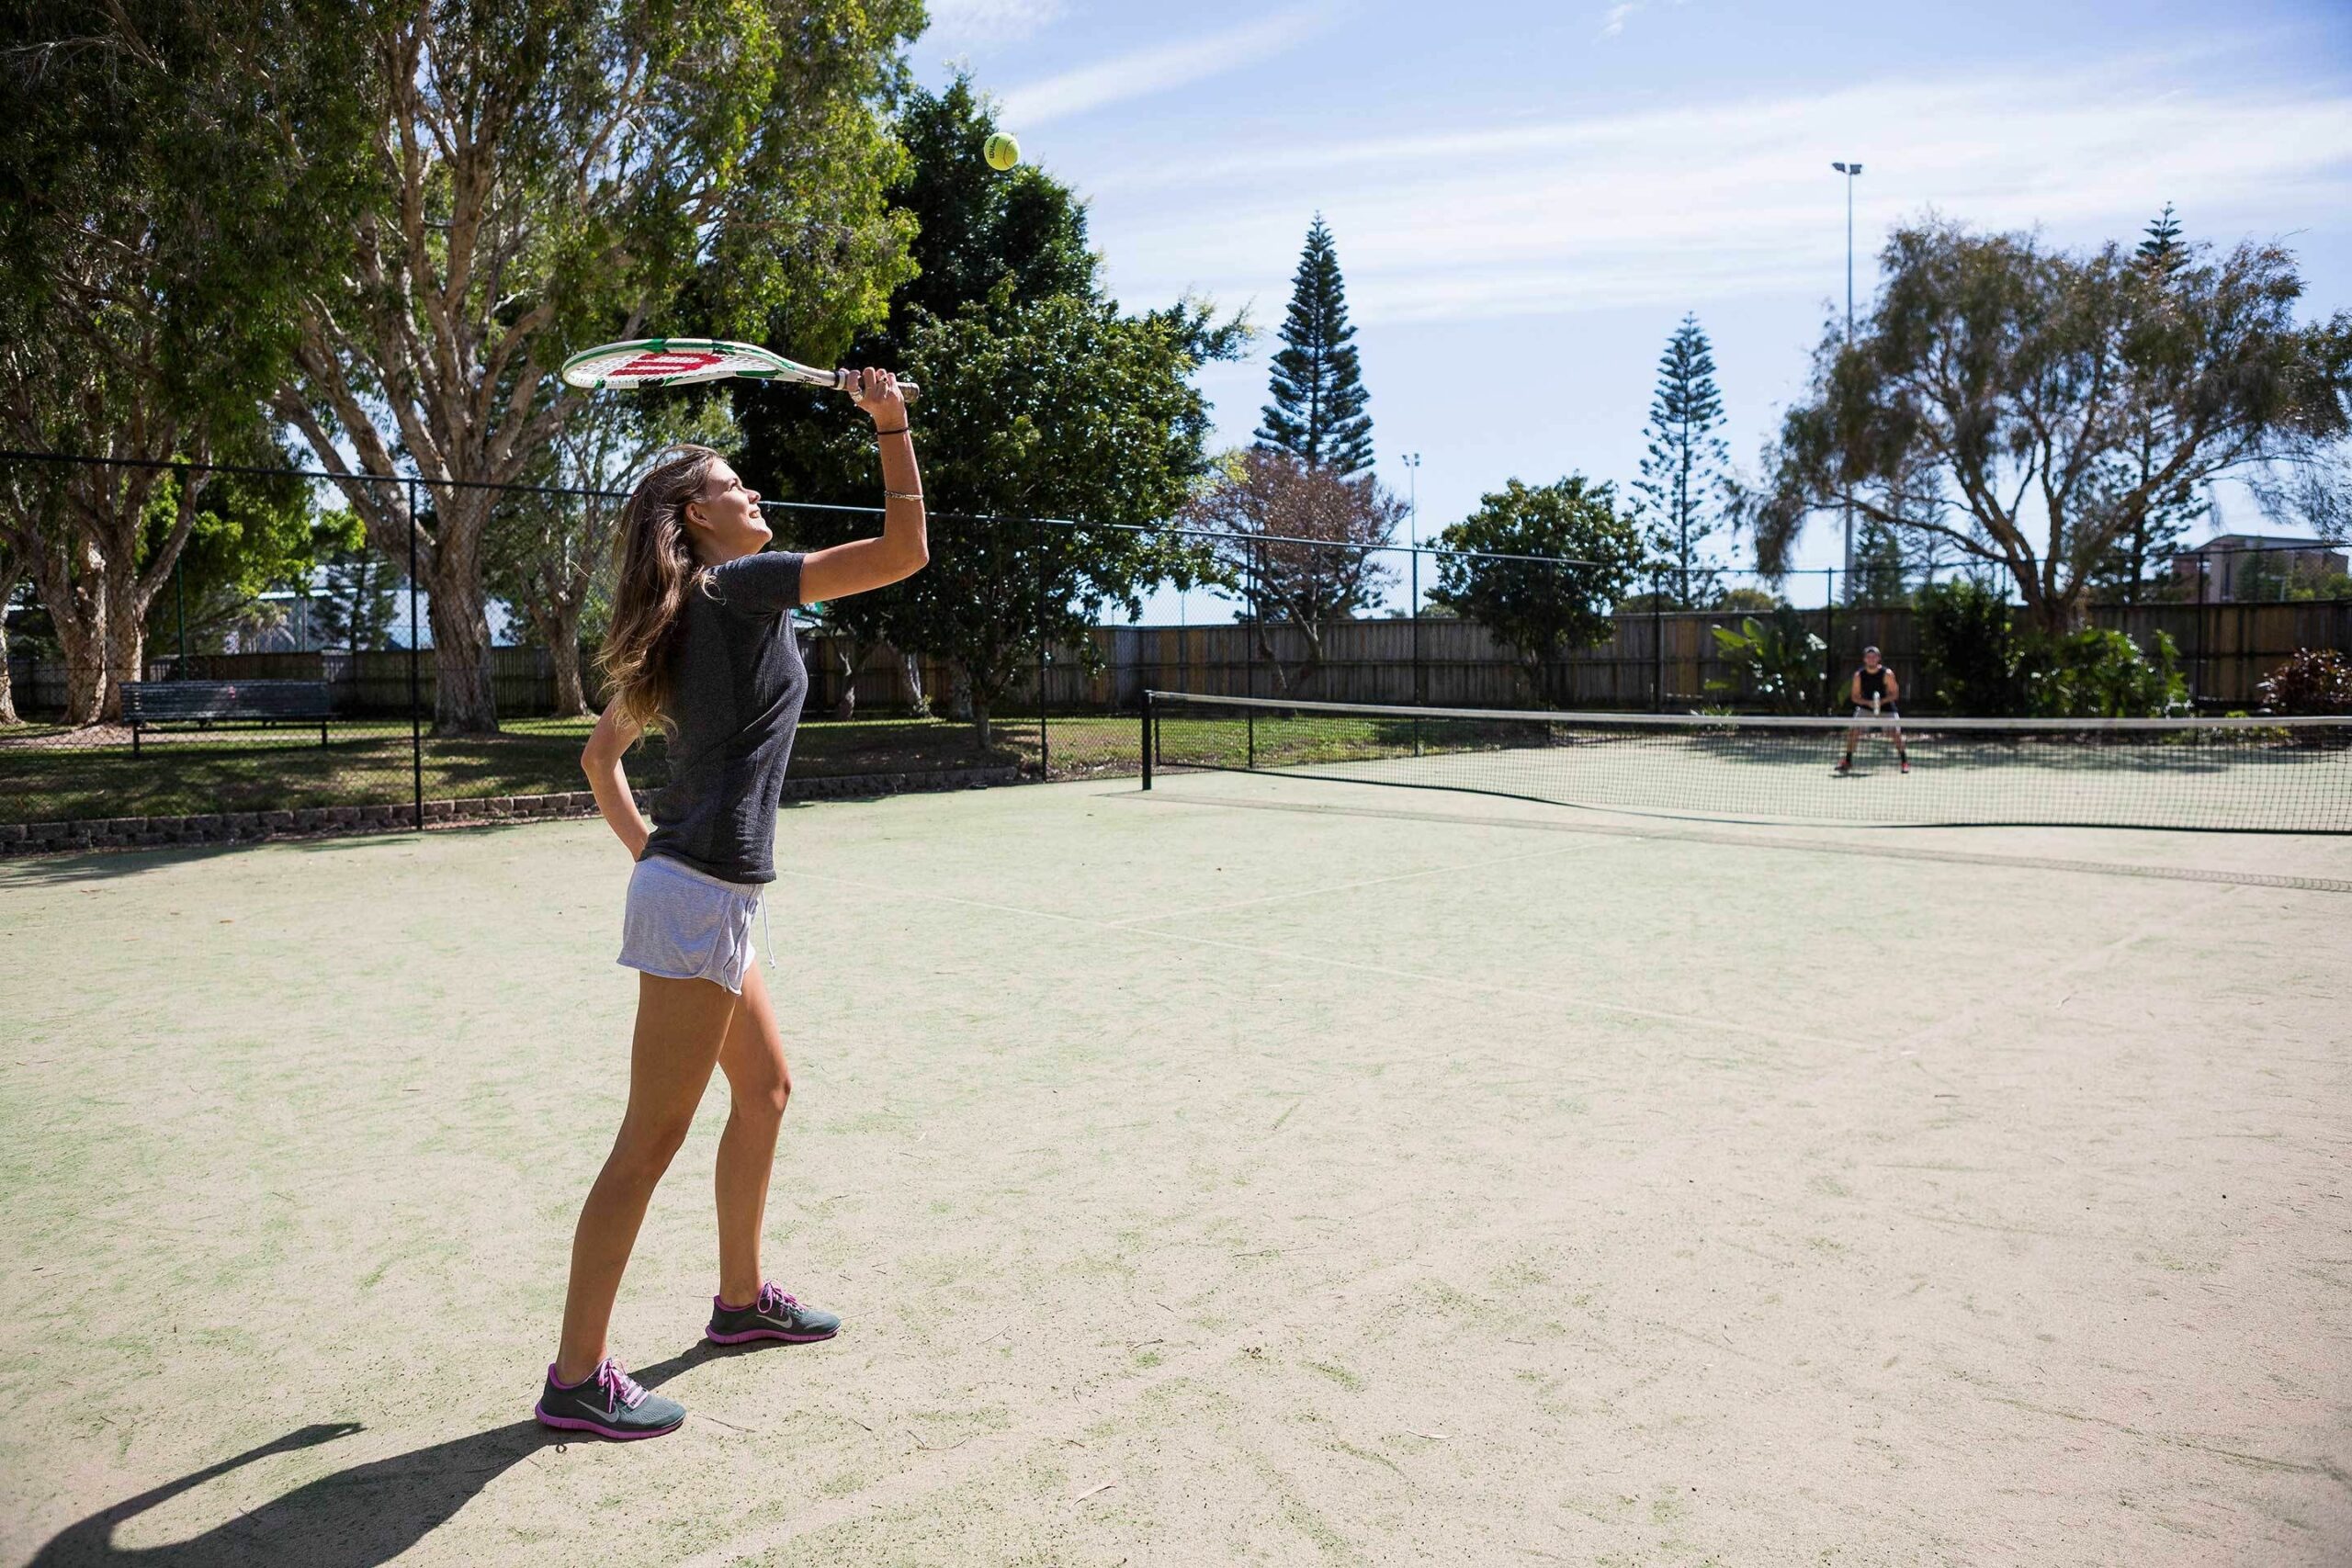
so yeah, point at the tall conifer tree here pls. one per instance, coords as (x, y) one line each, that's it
(1317, 413)
(1679, 492)
(2144, 553)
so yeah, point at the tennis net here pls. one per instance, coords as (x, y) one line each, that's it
(2279, 776)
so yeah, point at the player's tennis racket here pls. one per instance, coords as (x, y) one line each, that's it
(650, 362)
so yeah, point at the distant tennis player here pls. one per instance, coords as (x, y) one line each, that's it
(1875, 691)
(701, 645)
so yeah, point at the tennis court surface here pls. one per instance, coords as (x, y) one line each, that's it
(1261, 1169)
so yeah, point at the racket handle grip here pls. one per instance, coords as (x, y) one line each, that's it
(906, 390)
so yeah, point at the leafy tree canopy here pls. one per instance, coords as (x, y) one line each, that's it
(1041, 400)
(1542, 608)
(1300, 546)
(2026, 408)
(539, 176)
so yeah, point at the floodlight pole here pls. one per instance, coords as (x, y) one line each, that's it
(1851, 171)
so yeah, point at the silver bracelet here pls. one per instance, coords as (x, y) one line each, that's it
(903, 494)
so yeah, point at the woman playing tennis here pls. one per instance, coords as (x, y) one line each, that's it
(701, 644)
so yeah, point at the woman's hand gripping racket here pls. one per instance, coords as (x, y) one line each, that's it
(681, 361)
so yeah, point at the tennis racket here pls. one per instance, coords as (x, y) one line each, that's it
(649, 362)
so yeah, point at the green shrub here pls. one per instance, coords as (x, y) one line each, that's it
(2311, 680)
(2099, 674)
(1982, 664)
(1966, 640)
(1778, 662)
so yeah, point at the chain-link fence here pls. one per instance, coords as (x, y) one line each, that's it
(331, 736)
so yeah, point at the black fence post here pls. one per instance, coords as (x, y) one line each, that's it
(1249, 716)
(1147, 737)
(1045, 750)
(416, 679)
(1829, 634)
(1657, 647)
(179, 587)
(1421, 681)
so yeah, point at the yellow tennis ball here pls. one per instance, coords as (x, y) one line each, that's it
(1002, 150)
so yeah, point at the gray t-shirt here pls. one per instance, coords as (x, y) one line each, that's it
(735, 704)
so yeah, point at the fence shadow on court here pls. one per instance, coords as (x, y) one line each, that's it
(68, 867)
(358, 1518)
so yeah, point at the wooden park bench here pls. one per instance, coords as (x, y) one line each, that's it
(206, 703)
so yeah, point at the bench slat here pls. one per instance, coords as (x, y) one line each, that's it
(147, 702)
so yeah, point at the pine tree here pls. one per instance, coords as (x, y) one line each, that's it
(2162, 252)
(1317, 413)
(354, 607)
(2127, 566)
(1679, 496)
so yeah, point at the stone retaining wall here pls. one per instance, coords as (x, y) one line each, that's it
(246, 827)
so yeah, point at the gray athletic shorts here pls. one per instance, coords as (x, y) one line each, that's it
(688, 925)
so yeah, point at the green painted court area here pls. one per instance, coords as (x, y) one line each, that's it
(1262, 1170)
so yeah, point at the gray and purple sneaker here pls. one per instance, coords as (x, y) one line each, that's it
(773, 1316)
(609, 1403)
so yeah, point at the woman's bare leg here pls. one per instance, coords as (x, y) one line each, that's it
(681, 1025)
(759, 1084)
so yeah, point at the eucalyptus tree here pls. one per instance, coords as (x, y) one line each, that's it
(541, 175)
(151, 233)
(2028, 409)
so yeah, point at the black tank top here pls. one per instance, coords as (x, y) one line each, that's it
(1873, 683)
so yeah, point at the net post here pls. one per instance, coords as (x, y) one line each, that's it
(1148, 737)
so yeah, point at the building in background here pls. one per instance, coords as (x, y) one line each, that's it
(2255, 566)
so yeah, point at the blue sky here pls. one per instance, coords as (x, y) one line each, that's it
(1527, 198)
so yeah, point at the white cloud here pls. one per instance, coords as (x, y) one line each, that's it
(1158, 70)
(1678, 207)
(1614, 20)
(988, 21)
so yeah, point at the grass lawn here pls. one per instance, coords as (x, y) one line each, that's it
(49, 773)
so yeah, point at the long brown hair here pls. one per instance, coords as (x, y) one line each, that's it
(656, 570)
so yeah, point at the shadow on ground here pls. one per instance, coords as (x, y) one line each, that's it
(358, 1518)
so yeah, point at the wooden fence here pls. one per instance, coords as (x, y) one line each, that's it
(1664, 660)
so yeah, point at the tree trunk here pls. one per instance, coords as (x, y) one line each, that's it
(556, 618)
(849, 656)
(9, 577)
(2057, 616)
(76, 602)
(86, 674)
(1290, 680)
(126, 632)
(126, 641)
(571, 696)
(918, 702)
(464, 703)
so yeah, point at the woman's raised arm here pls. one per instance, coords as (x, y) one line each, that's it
(902, 547)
